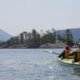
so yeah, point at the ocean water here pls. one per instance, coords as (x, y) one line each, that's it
(34, 64)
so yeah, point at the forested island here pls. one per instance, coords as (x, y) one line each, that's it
(34, 39)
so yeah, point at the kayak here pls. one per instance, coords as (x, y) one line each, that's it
(69, 62)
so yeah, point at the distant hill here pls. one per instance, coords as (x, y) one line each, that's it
(75, 32)
(4, 35)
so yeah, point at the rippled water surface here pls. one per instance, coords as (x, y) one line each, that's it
(34, 64)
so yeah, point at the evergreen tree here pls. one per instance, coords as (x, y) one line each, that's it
(59, 36)
(69, 37)
(21, 38)
(49, 37)
(35, 39)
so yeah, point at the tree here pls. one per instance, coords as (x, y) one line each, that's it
(49, 37)
(69, 37)
(58, 35)
(21, 38)
(35, 39)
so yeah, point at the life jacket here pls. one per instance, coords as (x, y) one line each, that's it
(78, 55)
(66, 53)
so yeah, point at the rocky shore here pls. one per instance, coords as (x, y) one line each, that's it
(55, 45)
(58, 44)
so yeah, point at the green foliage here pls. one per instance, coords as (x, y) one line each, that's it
(69, 37)
(48, 38)
(59, 37)
(34, 39)
(21, 38)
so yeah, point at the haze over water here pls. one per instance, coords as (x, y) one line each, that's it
(17, 16)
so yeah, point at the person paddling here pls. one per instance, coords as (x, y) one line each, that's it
(66, 52)
(76, 54)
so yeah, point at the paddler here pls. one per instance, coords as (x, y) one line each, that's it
(76, 54)
(66, 52)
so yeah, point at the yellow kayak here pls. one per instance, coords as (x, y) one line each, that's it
(69, 62)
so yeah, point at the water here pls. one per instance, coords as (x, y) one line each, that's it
(34, 64)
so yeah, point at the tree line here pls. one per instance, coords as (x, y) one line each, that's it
(35, 39)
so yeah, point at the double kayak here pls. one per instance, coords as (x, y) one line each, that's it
(69, 62)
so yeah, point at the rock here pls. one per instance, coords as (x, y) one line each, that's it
(58, 44)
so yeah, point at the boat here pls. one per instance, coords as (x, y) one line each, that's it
(69, 62)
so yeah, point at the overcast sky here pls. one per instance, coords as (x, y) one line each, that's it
(24, 15)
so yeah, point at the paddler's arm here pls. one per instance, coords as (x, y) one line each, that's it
(61, 55)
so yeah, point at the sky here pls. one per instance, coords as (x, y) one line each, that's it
(17, 16)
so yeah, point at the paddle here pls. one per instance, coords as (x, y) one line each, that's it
(50, 52)
(55, 53)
